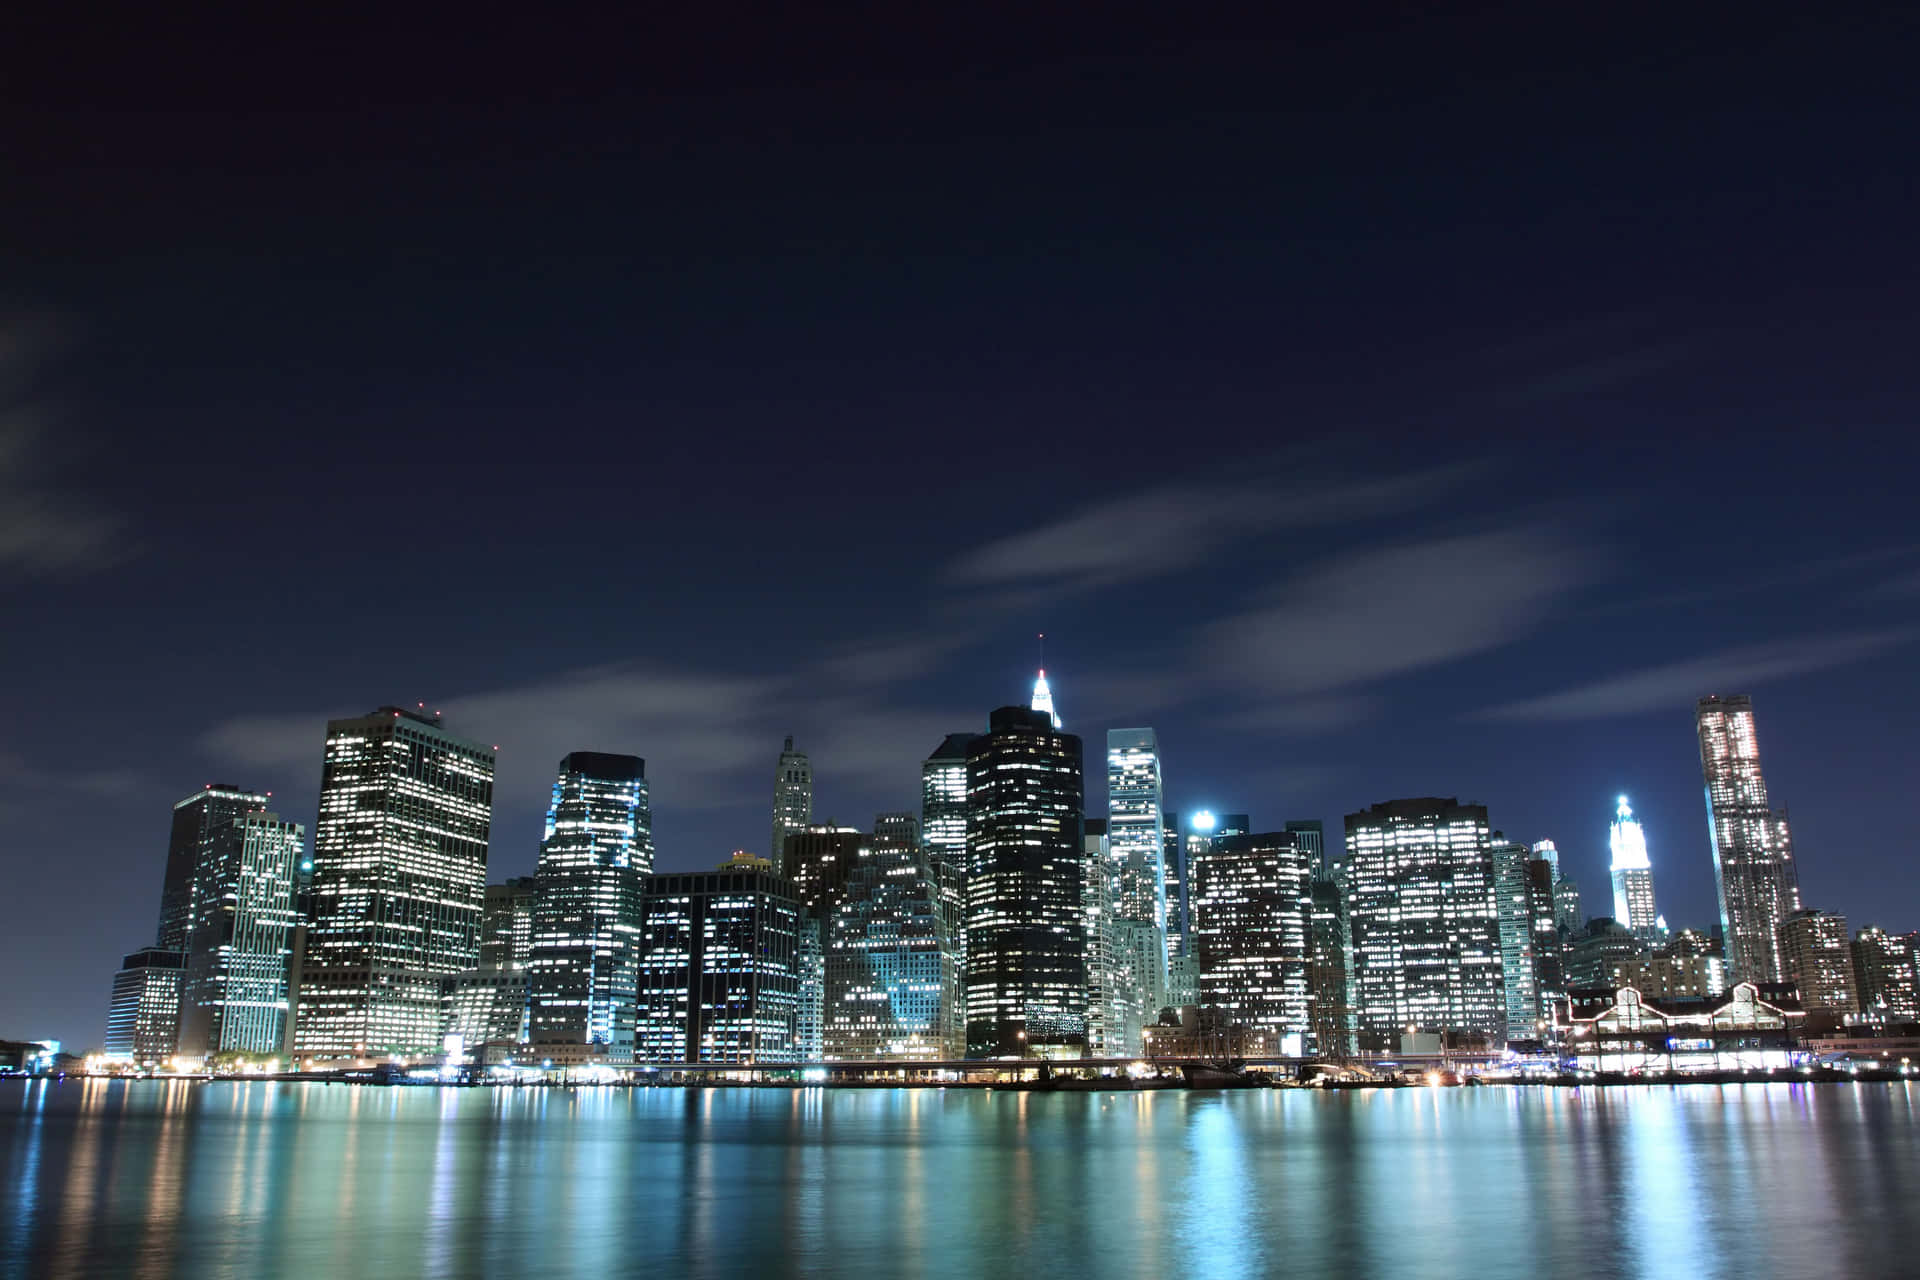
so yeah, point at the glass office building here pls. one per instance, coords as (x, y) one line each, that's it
(719, 978)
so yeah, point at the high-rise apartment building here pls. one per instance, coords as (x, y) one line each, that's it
(1514, 901)
(892, 986)
(1136, 842)
(1252, 933)
(1424, 915)
(1884, 980)
(792, 797)
(1633, 876)
(399, 881)
(194, 820)
(1819, 960)
(143, 1017)
(583, 955)
(239, 941)
(1753, 865)
(1026, 944)
(718, 976)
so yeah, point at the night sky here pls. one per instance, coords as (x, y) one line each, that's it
(1374, 405)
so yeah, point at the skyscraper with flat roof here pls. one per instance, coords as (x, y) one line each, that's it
(1136, 842)
(1753, 866)
(583, 953)
(194, 820)
(1819, 960)
(234, 994)
(718, 979)
(1252, 933)
(143, 1017)
(399, 879)
(1026, 944)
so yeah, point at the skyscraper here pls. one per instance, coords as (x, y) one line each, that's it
(234, 995)
(194, 820)
(943, 828)
(792, 797)
(1425, 921)
(1884, 979)
(1753, 865)
(1818, 959)
(1633, 876)
(399, 877)
(717, 968)
(1173, 856)
(506, 930)
(1252, 933)
(583, 955)
(1136, 842)
(1043, 698)
(1329, 988)
(143, 1018)
(1026, 945)
(1520, 974)
(892, 988)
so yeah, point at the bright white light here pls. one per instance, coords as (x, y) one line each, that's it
(1203, 821)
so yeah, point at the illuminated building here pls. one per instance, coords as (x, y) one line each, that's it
(1884, 980)
(1549, 948)
(1626, 1030)
(143, 1018)
(892, 987)
(1600, 952)
(792, 797)
(234, 996)
(1425, 923)
(1252, 927)
(1674, 977)
(1514, 902)
(486, 1006)
(1043, 698)
(1026, 937)
(943, 827)
(399, 880)
(1633, 876)
(1173, 858)
(1819, 961)
(817, 859)
(1329, 992)
(582, 958)
(1753, 865)
(718, 979)
(194, 820)
(506, 924)
(1136, 842)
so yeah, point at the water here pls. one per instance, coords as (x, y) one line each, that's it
(155, 1179)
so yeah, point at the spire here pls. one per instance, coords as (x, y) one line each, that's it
(1043, 698)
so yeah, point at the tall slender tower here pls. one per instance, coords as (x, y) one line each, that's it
(1043, 698)
(584, 950)
(1136, 842)
(194, 822)
(244, 913)
(1753, 865)
(1632, 876)
(399, 881)
(792, 798)
(1026, 931)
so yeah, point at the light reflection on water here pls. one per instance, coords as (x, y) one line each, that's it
(159, 1179)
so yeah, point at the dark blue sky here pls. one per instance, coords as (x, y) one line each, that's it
(1374, 406)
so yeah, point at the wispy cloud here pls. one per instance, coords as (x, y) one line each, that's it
(17, 773)
(1678, 684)
(45, 531)
(1161, 530)
(1370, 615)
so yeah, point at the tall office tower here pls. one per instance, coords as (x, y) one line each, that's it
(1173, 858)
(1313, 838)
(234, 996)
(1136, 841)
(792, 797)
(1329, 993)
(943, 827)
(506, 923)
(718, 982)
(1043, 698)
(1884, 979)
(1026, 942)
(1633, 876)
(583, 957)
(1100, 907)
(399, 878)
(1601, 951)
(1426, 927)
(1753, 865)
(143, 1018)
(1252, 932)
(892, 988)
(1549, 953)
(1514, 902)
(194, 820)
(1817, 959)
(817, 863)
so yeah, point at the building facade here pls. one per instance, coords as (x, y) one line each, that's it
(399, 883)
(1519, 969)
(1884, 980)
(1252, 933)
(194, 821)
(1026, 943)
(1136, 842)
(1753, 866)
(239, 946)
(1329, 986)
(583, 955)
(719, 978)
(1424, 916)
(792, 797)
(1632, 873)
(506, 923)
(143, 1017)
(1819, 961)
